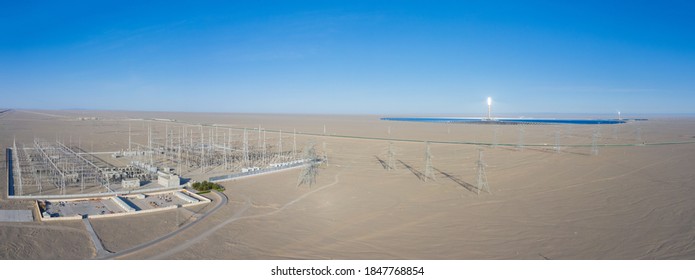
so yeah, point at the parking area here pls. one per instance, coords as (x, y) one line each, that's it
(90, 207)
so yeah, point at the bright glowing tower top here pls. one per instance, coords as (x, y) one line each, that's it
(489, 108)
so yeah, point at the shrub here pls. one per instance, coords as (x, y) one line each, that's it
(207, 186)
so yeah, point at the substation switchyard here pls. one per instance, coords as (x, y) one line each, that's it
(168, 160)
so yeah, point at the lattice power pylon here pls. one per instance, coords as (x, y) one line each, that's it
(482, 177)
(294, 143)
(391, 163)
(246, 149)
(429, 170)
(311, 169)
(264, 156)
(325, 152)
(280, 143)
(594, 143)
(557, 142)
(520, 144)
(494, 136)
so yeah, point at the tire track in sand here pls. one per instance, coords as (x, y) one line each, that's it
(237, 216)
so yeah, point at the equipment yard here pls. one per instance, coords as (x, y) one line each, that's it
(105, 206)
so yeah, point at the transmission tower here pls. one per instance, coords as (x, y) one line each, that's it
(638, 136)
(594, 143)
(520, 144)
(128, 137)
(482, 177)
(308, 174)
(280, 143)
(202, 150)
(325, 153)
(264, 148)
(246, 149)
(429, 172)
(229, 149)
(149, 142)
(294, 144)
(259, 136)
(494, 137)
(391, 162)
(166, 140)
(557, 142)
(178, 169)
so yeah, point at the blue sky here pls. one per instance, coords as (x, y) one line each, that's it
(386, 57)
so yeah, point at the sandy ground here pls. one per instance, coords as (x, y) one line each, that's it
(627, 202)
(118, 233)
(43, 241)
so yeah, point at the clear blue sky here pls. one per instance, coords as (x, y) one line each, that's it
(391, 57)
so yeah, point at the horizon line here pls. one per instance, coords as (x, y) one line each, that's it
(457, 114)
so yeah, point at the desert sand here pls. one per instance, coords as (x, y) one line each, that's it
(627, 202)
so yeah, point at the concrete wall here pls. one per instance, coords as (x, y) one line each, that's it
(134, 212)
(185, 197)
(120, 202)
(71, 197)
(52, 219)
(196, 196)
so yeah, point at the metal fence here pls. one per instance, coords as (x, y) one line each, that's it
(260, 171)
(10, 177)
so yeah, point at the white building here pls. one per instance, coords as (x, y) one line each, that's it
(168, 180)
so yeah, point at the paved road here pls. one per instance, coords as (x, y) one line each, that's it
(101, 252)
(223, 201)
